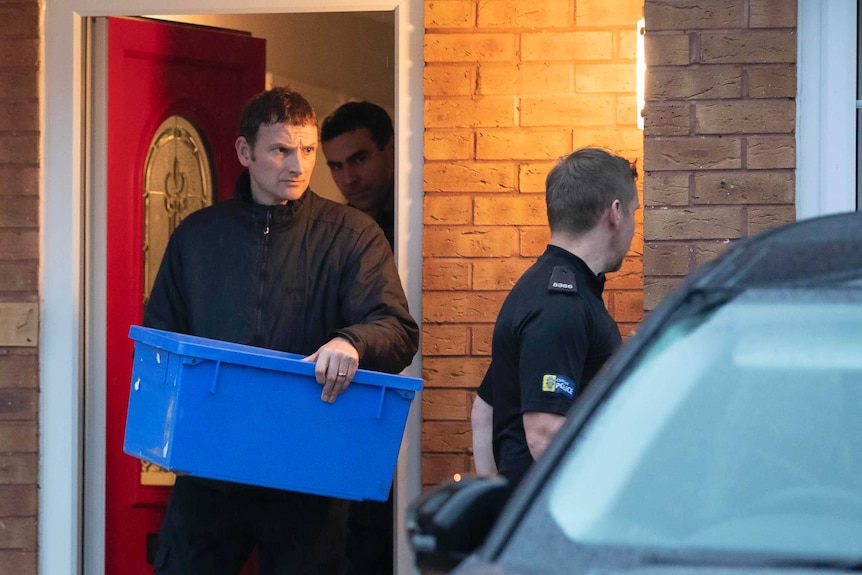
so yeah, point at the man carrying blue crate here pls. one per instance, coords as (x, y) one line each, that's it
(278, 267)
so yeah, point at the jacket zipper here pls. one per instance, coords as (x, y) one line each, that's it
(261, 279)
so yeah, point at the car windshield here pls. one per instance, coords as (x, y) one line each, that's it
(739, 430)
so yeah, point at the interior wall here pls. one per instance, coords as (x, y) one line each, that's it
(330, 58)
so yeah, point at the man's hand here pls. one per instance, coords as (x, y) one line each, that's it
(335, 365)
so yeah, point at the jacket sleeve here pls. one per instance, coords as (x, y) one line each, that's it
(166, 308)
(379, 324)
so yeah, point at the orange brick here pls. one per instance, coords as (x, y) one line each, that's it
(18, 84)
(18, 533)
(628, 306)
(499, 274)
(528, 78)
(19, 21)
(666, 189)
(18, 404)
(748, 46)
(520, 14)
(629, 277)
(776, 81)
(447, 436)
(465, 373)
(449, 79)
(532, 177)
(437, 469)
(694, 14)
(707, 251)
(19, 468)
(628, 143)
(450, 14)
(532, 144)
(18, 501)
(474, 47)
(21, 213)
(706, 82)
(627, 43)
(19, 53)
(20, 180)
(746, 116)
(762, 218)
(19, 276)
(461, 307)
(19, 244)
(666, 49)
(581, 110)
(439, 275)
(447, 210)
(446, 404)
(772, 14)
(22, 148)
(694, 223)
(567, 46)
(663, 258)
(487, 111)
(605, 77)
(480, 342)
(470, 177)
(449, 144)
(444, 340)
(656, 289)
(534, 240)
(19, 116)
(610, 14)
(770, 152)
(627, 110)
(18, 369)
(745, 187)
(519, 210)
(19, 436)
(693, 153)
(667, 120)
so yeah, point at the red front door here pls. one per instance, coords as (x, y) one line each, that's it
(168, 85)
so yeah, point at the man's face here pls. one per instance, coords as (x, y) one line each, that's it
(281, 162)
(363, 172)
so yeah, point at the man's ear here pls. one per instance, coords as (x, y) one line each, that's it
(615, 213)
(243, 151)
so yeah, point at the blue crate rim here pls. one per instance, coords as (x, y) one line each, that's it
(195, 347)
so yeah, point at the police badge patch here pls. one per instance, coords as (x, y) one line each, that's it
(558, 384)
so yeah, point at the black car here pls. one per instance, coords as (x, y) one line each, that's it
(724, 437)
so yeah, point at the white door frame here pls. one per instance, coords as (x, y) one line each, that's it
(826, 108)
(73, 269)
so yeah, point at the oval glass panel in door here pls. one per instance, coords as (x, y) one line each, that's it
(178, 180)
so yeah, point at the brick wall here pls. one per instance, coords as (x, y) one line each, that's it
(719, 143)
(509, 87)
(19, 252)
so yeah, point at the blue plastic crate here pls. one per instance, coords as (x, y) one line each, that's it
(251, 415)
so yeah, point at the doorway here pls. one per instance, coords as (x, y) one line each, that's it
(74, 268)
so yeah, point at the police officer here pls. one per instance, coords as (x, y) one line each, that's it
(553, 332)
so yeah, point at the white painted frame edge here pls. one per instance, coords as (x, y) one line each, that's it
(67, 350)
(826, 108)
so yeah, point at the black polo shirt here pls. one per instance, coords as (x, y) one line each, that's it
(552, 335)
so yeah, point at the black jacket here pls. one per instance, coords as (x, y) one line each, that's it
(288, 277)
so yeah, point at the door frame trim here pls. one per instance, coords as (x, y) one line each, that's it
(73, 269)
(826, 108)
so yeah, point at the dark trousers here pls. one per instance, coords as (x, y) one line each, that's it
(212, 527)
(370, 537)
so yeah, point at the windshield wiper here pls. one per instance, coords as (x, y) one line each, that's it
(741, 559)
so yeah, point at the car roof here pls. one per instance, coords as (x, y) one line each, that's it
(824, 251)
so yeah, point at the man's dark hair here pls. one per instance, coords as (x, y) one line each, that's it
(583, 185)
(280, 105)
(355, 115)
